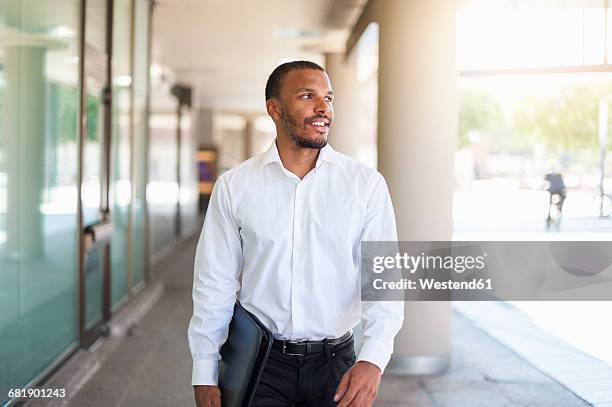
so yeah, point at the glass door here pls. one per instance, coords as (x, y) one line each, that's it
(95, 155)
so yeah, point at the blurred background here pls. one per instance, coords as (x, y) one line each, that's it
(488, 118)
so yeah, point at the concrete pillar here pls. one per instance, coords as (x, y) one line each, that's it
(24, 129)
(417, 124)
(249, 135)
(205, 127)
(344, 135)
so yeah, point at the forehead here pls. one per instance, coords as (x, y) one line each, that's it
(306, 78)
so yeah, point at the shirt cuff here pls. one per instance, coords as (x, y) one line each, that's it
(375, 351)
(205, 372)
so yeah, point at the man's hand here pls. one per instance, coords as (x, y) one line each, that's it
(359, 385)
(207, 396)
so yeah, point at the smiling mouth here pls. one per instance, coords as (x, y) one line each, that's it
(322, 126)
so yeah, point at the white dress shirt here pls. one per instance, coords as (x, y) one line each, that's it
(289, 250)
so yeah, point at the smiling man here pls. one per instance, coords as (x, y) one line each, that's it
(282, 235)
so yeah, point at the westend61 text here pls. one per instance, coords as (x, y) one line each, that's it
(432, 284)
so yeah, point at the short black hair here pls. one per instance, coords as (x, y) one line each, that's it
(273, 86)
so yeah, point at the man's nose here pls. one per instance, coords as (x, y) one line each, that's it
(323, 106)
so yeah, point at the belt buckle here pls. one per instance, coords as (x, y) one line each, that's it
(289, 353)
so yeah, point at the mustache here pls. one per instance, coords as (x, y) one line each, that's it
(315, 118)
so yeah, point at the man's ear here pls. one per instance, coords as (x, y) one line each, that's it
(273, 109)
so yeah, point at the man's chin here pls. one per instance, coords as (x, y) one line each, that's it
(304, 142)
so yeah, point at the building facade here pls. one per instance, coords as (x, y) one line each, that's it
(90, 194)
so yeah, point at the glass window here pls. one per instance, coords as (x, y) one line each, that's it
(121, 189)
(139, 163)
(38, 186)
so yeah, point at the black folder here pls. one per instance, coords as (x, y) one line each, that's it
(243, 358)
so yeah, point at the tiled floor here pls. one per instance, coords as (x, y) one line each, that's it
(588, 377)
(482, 373)
(151, 366)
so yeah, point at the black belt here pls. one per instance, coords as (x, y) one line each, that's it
(303, 348)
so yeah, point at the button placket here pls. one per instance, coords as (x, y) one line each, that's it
(296, 256)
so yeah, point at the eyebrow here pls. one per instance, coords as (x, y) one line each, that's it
(311, 90)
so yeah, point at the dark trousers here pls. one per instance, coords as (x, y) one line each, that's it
(304, 381)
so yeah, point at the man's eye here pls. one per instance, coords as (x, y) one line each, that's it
(306, 96)
(329, 99)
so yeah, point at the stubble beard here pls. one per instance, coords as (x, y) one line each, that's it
(297, 133)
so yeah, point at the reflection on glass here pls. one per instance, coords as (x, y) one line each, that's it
(120, 154)
(92, 160)
(139, 166)
(38, 189)
(94, 266)
(93, 150)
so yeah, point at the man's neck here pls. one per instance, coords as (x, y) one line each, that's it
(298, 160)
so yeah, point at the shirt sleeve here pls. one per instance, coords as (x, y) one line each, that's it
(218, 262)
(381, 320)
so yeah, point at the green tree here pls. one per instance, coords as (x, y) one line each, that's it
(564, 122)
(478, 111)
(64, 105)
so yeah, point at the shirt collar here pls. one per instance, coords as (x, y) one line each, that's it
(271, 155)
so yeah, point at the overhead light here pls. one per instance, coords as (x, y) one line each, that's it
(122, 80)
(61, 31)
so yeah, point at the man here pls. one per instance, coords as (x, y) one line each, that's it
(282, 235)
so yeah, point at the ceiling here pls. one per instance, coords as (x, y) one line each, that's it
(226, 49)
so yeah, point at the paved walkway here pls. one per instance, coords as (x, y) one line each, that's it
(151, 366)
